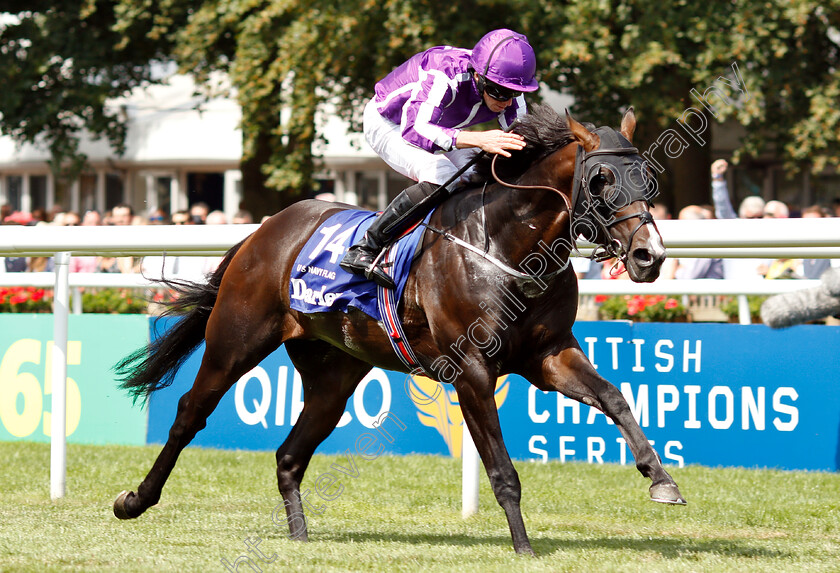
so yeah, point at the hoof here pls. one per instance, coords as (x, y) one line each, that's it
(119, 505)
(666, 493)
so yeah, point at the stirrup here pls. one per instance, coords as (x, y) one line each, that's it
(377, 273)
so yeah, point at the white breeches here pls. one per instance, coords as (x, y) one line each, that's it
(385, 139)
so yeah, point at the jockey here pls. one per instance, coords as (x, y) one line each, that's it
(415, 120)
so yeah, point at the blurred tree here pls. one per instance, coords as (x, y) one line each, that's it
(652, 54)
(59, 64)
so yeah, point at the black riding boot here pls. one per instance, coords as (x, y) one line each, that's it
(407, 208)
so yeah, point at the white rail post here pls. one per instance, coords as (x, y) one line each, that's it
(744, 316)
(469, 474)
(58, 439)
(77, 300)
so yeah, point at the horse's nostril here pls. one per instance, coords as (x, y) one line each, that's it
(642, 255)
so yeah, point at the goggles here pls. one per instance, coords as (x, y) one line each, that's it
(499, 93)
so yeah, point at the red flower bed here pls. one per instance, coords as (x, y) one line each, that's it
(25, 299)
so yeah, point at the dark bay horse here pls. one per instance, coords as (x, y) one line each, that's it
(568, 181)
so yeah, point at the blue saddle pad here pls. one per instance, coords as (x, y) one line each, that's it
(318, 284)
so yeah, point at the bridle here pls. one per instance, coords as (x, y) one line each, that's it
(622, 158)
(591, 214)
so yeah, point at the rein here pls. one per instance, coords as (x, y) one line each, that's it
(527, 187)
(490, 258)
(611, 250)
(485, 253)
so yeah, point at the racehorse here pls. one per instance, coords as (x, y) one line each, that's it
(509, 239)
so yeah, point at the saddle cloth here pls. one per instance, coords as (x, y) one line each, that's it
(318, 284)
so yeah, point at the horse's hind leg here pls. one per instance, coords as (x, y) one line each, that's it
(235, 344)
(571, 373)
(329, 377)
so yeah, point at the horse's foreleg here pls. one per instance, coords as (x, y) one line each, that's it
(482, 419)
(571, 373)
(329, 378)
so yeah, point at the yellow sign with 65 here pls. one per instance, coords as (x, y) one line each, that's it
(97, 411)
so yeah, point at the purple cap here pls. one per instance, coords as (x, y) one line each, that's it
(505, 57)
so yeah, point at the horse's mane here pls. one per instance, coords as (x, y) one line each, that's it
(544, 130)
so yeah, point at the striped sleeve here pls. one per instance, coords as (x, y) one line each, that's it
(422, 111)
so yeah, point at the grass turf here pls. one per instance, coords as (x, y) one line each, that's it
(403, 514)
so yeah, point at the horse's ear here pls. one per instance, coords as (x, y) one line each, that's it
(628, 124)
(589, 140)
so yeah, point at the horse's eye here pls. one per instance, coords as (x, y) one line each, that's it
(606, 184)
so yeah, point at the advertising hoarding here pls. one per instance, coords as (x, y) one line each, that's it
(709, 394)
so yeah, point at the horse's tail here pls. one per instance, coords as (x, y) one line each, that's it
(154, 366)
